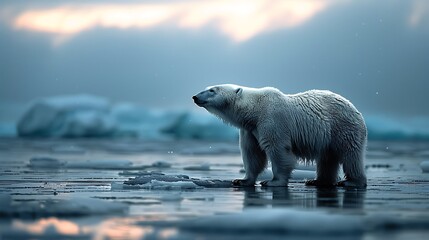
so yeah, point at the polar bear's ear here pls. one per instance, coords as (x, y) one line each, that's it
(238, 90)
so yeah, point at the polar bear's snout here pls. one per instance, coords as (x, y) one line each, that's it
(199, 100)
(202, 98)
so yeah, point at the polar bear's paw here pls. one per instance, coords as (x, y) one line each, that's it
(274, 183)
(243, 183)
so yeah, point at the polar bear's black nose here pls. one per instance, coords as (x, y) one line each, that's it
(195, 98)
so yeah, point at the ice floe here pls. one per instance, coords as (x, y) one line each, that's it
(149, 179)
(166, 185)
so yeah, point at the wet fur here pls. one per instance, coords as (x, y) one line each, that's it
(315, 125)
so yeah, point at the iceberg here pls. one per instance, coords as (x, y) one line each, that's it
(67, 116)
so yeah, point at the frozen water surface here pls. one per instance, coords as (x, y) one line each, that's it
(133, 189)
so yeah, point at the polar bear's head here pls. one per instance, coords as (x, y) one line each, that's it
(236, 105)
(218, 97)
(222, 101)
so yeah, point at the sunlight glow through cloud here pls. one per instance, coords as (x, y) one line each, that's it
(238, 19)
(419, 11)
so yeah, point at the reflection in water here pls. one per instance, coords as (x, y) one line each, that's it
(113, 228)
(238, 19)
(314, 198)
(51, 225)
(116, 228)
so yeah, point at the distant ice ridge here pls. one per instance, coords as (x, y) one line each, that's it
(67, 116)
(92, 116)
(385, 128)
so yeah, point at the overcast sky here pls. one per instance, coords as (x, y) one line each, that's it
(160, 53)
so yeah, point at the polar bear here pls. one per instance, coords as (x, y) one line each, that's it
(314, 125)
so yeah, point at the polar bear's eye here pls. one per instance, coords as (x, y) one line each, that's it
(211, 90)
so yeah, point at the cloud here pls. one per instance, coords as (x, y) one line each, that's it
(419, 12)
(240, 20)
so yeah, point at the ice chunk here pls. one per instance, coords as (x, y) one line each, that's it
(425, 166)
(148, 178)
(274, 221)
(202, 167)
(46, 162)
(213, 183)
(67, 116)
(167, 185)
(76, 206)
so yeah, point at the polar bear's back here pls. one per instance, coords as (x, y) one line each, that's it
(323, 119)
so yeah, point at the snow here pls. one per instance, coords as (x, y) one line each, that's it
(75, 206)
(277, 220)
(425, 166)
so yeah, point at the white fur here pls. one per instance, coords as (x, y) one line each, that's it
(313, 125)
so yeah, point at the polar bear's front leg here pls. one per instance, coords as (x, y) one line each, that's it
(282, 161)
(254, 159)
